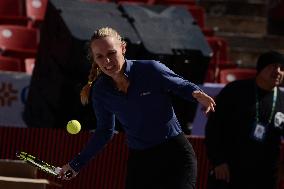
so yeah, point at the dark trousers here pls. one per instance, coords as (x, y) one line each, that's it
(171, 165)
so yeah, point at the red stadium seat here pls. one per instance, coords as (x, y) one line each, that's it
(97, 0)
(209, 32)
(198, 13)
(13, 12)
(149, 2)
(219, 47)
(213, 71)
(176, 2)
(36, 10)
(10, 64)
(229, 75)
(219, 59)
(18, 41)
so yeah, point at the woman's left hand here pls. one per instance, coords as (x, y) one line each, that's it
(205, 101)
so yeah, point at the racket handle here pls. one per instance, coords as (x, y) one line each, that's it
(57, 170)
(67, 174)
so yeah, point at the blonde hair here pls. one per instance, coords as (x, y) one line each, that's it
(95, 71)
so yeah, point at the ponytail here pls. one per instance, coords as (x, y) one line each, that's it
(85, 92)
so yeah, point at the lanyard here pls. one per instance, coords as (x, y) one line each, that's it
(272, 108)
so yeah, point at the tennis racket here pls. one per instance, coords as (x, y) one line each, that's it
(41, 165)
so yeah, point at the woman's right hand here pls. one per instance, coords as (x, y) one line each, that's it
(67, 173)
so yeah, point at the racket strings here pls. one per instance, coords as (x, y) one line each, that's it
(38, 163)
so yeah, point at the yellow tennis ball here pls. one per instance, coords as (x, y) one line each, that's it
(73, 127)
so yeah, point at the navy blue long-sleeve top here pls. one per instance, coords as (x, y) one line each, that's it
(145, 111)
